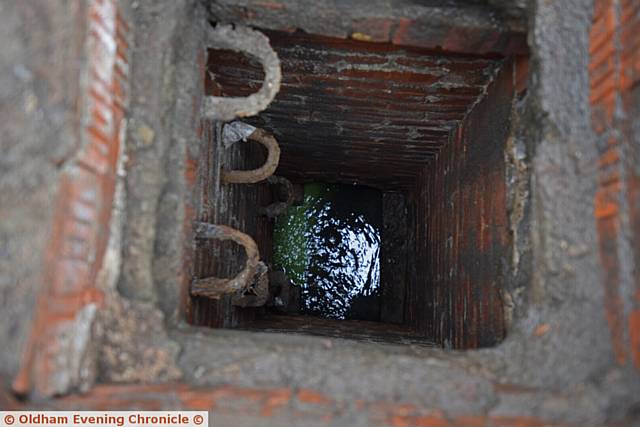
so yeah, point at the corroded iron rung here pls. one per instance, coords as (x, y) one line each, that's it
(255, 44)
(215, 287)
(259, 290)
(264, 171)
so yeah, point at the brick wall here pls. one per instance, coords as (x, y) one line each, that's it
(351, 111)
(68, 295)
(233, 405)
(461, 230)
(614, 72)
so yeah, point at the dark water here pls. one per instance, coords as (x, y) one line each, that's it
(335, 239)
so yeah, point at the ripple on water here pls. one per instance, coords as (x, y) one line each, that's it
(330, 246)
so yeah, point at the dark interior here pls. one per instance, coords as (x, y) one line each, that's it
(428, 129)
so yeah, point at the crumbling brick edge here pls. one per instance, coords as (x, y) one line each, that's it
(69, 296)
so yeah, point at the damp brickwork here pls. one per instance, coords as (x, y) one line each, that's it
(394, 259)
(348, 107)
(411, 116)
(614, 72)
(462, 228)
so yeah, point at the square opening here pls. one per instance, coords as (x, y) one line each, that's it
(393, 157)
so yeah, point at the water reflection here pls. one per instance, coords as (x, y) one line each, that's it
(330, 247)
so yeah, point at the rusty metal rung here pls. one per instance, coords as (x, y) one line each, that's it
(252, 42)
(264, 171)
(215, 287)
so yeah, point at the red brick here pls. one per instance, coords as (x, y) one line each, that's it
(604, 93)
(94, 159)
(428, 421)
(401, 34)
(609, 157)
(606, 202)
(121, 21)
(599, 119)
(542, 330)
(274, 401)
(312, 397)
(121, 39)
(522, 73)
(600, 7)
(118, 88)
(270, 5)
(610, 181)
(608, 228)
(480, 421)
(605, 79)
(634, 335)
(602, 73)
(630, 11)
(121, 53)
(97, 19)
(80, 225)
(104, 102)
(72, 276)
(99, 138)
(120, 72)
(518, 422)
(98, 38)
